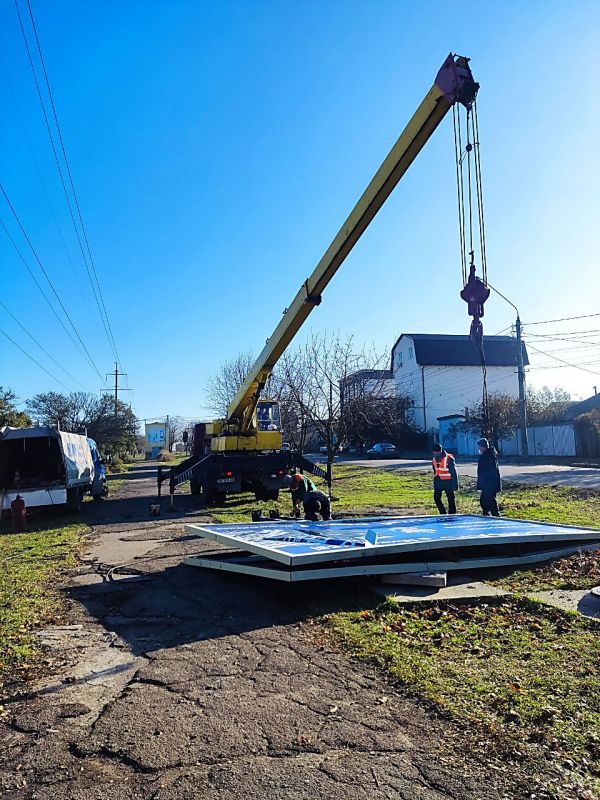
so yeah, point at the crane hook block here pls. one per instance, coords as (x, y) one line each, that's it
(475, 294)
(455, 81)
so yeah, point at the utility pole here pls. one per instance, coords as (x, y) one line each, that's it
(522, 395)
(520, 374)
(117, 375)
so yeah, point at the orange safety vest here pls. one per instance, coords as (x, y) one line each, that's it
(441, 467)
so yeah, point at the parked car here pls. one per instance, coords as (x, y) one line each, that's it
(323, 450)
(383, 450)
(285, 446)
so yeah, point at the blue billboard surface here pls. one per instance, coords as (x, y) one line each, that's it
(301, 542)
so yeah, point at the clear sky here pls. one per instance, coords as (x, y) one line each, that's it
(217, 148)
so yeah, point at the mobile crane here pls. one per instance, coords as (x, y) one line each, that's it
(243, 452)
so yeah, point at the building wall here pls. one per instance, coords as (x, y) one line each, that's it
(378, 387)
(447, 390)
(155, 438)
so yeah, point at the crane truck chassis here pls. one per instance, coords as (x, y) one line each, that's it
(212, 476)
(242, 451)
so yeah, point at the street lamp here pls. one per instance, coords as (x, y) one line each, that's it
(521, 376)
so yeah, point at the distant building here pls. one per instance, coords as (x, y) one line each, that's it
(583, 407)
(442, 373)
(155, 438)
(372, 382)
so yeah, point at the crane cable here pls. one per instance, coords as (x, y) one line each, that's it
(476, 290)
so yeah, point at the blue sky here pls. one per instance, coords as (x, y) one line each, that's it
(218, 147)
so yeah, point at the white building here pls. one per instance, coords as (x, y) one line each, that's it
(373, 382)
(443, 374)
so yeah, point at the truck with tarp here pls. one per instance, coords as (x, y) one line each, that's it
(48, 467)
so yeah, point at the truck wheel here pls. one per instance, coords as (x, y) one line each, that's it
(266, 494)
(102, 494)
(214, 497)
(74, 498)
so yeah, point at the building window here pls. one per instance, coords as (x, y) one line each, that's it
(410, 353)
(399, 360)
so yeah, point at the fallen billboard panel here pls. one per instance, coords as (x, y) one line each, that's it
(300, 550)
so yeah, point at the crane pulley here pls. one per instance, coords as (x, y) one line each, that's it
(471, 225)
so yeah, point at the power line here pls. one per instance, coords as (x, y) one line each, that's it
(32, 337)
(562, 319)
(18, 346)
(97, 292)
(566, 363)
(41, 266)
(72, 184)
(43, 185)
(35, 280)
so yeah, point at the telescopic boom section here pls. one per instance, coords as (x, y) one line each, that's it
(453, 84)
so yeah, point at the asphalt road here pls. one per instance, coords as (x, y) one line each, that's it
(178, 683)
(549, 474)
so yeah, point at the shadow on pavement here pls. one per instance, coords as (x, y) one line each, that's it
(183, 604)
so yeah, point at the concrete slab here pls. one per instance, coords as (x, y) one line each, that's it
(459, 587)
(437, 580)
(584, 601)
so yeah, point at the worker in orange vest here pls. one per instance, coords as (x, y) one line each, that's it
(445, 479)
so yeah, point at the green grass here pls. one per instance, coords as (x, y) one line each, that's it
(117, 478)
(524, 679)
(29, 562)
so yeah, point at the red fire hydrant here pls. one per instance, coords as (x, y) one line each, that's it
(18, 514)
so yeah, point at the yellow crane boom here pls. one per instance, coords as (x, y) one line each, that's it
(454, 83)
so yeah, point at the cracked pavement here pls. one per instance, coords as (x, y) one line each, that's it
(180, 683)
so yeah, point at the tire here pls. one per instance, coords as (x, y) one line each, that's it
(214, 497)
(103, 494)
(75, 499)
(266, 494)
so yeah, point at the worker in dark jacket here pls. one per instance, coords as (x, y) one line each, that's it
(445, 479)
(488, 478)
(304, 491)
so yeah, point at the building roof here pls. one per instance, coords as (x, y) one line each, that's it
(368, 375)
(449, 350)
(575, 409)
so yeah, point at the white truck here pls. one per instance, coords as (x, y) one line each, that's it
(49, 467)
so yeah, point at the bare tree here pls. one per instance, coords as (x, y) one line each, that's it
(316, 377)
(223, 385)
(175, 430)
(501, 420)
(546, 404)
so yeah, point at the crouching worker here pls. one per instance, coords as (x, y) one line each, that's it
(304, 491)
(445, 479)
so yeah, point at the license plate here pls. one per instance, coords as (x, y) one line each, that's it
(225, 480)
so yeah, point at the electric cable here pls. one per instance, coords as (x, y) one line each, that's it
(42, 292)
(72, 184)
(562, 319)
(566, 363)
(44, 188)
(41, 266)
(105, 323)
(41, 346)
(18, 346)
